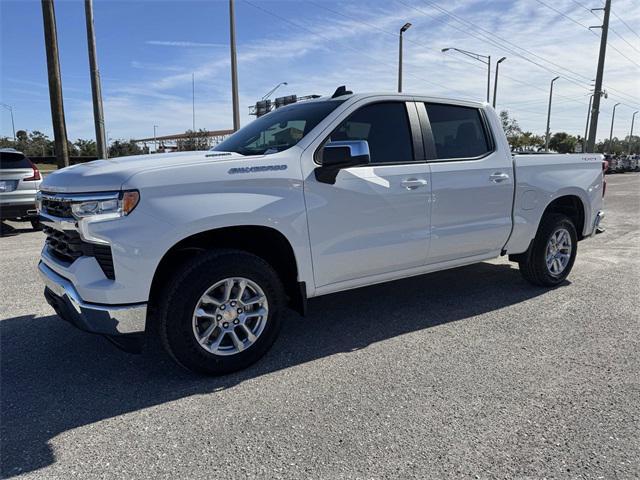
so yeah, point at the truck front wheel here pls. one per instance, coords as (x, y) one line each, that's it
(221, 312)
(552, 253)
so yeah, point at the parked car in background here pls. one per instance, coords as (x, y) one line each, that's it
(612, 164)
(19, 182)
(206, 249)
(630, 163)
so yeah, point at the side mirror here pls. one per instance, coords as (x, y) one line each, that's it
(338, 155)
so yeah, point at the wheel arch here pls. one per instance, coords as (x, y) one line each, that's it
(571, 205)
(265, 242)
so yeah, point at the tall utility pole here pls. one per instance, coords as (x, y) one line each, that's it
(55, 84)
(234, 68)
(595, 109)
(586, 127)
(13, 125)
(613, 117)
(193, 100)
(404, 28)
(96, 88)
(633, 117)
(495, 82)
(546, 140)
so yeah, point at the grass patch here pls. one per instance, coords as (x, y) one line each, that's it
(46, 167)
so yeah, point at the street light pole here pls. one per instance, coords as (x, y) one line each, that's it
(404, 28)
(155, 142)
(488, 78)
(495, 82)
(486, 59)
(193, 101)
(270, 92)
(13, 127)
(234, 68)
(633, 117)
(546, 142)
(613, 117)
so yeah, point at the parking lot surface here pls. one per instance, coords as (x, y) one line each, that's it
(465, 373)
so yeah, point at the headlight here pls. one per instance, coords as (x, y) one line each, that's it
(106, 206)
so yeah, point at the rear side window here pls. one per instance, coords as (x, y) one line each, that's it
(458, 132)
(13, 160)
(385, 126)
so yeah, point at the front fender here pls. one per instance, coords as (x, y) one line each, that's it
(185, 200)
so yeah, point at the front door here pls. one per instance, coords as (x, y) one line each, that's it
(375, 218)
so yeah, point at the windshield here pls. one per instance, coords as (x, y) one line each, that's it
(278, 130)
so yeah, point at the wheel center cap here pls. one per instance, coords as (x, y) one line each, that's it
(229, 315)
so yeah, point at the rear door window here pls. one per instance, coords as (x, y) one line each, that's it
(458, 132)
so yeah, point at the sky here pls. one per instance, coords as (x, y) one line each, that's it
(148, 51)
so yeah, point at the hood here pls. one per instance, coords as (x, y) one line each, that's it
(106, 175)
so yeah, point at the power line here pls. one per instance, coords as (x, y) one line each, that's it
(624, 40)
(594, 33)
(625, 24)
(489, 38)
(472, 64)
(409, 40)
(362, 52)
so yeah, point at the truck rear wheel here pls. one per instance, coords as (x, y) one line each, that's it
(552, 253)
(222, 312)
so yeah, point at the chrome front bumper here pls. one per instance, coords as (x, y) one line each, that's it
(112, 320)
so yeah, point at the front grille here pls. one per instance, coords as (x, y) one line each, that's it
(56, 208)
(67, 246)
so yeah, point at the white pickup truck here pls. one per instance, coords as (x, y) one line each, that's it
(207, 248)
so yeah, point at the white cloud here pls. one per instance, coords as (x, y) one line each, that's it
(316, 50)
(183, 44)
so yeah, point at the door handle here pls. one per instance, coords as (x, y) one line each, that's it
(499, 177)
(413, 183)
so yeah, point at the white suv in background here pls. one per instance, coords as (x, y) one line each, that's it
(19, 182)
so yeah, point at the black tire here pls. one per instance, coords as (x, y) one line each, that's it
(533, 265)
(35, 224)
(184, 291)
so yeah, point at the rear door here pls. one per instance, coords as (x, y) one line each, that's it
(375, 218)
(472, 184)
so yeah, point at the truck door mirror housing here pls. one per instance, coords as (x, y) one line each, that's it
(335, 156)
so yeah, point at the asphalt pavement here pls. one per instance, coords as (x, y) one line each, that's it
(469, 373)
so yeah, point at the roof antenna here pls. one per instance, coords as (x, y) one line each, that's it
(340, 91)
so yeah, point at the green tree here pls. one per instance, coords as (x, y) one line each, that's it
(122, 148)
(86, 148)
(562, 142)
(6, 142)
(511, 129)
(619, 146)
(195, 141)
